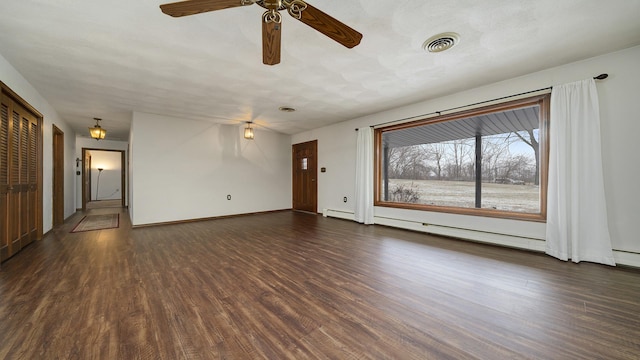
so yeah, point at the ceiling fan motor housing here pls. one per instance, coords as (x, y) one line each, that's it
(273, 4)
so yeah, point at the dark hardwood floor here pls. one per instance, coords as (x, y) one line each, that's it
(100, 204)
(297, 286)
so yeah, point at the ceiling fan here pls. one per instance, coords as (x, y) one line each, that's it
(272, 21)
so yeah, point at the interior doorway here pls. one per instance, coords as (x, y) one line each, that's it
(305, 173)
(103, 177)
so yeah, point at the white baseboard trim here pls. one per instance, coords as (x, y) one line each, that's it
(340, 214)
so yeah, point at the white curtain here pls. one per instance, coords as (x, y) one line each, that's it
(364, 176)
(577, 226)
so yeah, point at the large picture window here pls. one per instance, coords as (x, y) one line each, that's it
(490, 161)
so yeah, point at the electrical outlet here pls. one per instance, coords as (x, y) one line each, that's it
(344, 199)
(228, 197)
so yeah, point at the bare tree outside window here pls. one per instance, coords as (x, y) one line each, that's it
(435, 164)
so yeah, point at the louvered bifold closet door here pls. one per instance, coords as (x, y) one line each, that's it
(33, 179)
(25, 209)
(4, 180)
(14, 181)
(20, 205)
(20, 177)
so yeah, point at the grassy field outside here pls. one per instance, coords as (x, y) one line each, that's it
(507, 197)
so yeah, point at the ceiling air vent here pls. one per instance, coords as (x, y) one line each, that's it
(441, 42)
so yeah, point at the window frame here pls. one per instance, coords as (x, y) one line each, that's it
(541, 100)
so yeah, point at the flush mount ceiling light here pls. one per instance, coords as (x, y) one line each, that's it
(248, 131)
(286, 109)
(97, 132)
(441, 42)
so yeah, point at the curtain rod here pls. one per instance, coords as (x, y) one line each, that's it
(599, 77)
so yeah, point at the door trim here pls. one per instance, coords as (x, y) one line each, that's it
(123, 183)
(58, 176)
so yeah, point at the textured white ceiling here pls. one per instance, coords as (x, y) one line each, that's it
(108, 58)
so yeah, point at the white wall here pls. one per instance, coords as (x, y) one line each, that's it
(336, 153)
(620, 116)
(185, 170)
(13, 79)
(88, 143)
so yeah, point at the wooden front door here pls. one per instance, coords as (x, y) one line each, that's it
(20, 177)
(305, 173)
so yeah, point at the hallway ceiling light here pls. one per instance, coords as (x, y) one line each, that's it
(248, 131)
(97, 132)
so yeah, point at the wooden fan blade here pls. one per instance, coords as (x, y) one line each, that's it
(271, 36)
(192, 7)
(330, 27)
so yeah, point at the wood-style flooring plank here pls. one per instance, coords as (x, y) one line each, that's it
(291, 285)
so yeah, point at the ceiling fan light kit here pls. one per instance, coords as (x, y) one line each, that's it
(272, 21)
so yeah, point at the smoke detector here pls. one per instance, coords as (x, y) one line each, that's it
(441, 42)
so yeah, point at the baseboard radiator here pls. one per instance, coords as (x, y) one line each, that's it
(340, 214)
(460, 233)
(465, 234)
(622, 257)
